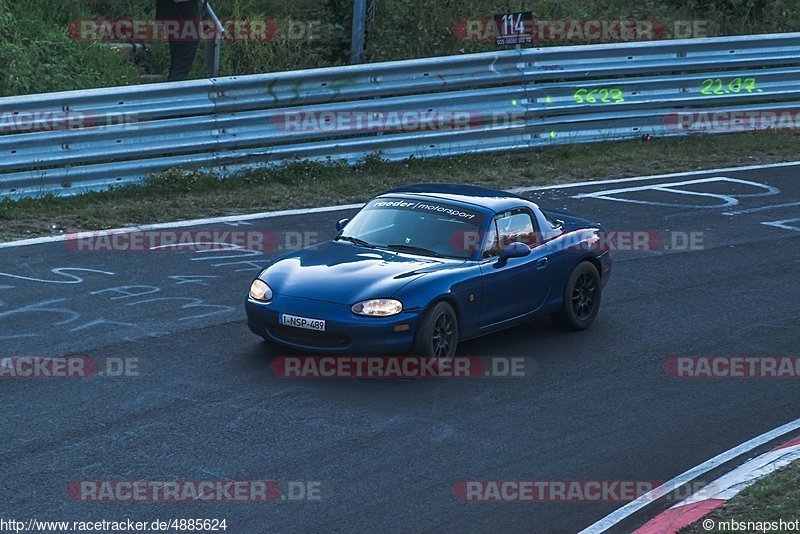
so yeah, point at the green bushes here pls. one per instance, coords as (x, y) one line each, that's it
(420, 28)
(733, 17)
(39, 56)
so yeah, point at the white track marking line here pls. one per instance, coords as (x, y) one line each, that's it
(727, 200)
(761, 208)
(634, 506)
(785, 224)
(657, 176)
(324, 209)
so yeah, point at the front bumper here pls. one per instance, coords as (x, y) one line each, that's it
(345, 332)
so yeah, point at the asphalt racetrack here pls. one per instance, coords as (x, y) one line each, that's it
(386, 454)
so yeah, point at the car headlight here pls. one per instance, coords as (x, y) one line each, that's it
(378, 307)
(259, 290)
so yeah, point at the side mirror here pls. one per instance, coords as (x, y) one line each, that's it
(514, 250)
(341, 224)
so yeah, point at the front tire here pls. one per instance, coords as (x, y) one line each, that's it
(437, 335)
(582, 295)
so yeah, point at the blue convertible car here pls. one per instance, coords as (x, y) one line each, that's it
(423, 267)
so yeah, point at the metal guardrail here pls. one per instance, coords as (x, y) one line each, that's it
(516, 99)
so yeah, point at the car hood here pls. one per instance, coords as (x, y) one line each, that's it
(345, 273)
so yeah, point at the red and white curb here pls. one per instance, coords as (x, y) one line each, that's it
(768, 462)
(721, 490)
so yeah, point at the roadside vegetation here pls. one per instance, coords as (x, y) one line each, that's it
(774, 497)
(40, 56)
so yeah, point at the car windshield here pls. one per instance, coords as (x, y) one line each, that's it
(427, 228)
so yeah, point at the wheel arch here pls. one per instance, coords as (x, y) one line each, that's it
(448, 298)
(451, 300)
(594, 261)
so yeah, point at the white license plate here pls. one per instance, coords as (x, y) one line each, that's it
(303, 322)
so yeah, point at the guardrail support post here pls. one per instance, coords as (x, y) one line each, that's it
(359, 29)
(212, 58)
(212, 50)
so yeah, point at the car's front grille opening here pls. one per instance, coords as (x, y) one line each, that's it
(310, 338)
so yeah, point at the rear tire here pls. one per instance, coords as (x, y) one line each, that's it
(437, 335)
(582, 295)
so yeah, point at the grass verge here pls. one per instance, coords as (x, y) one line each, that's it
(774, 497)
(177, 195)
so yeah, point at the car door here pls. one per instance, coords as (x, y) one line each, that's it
(520, 285)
